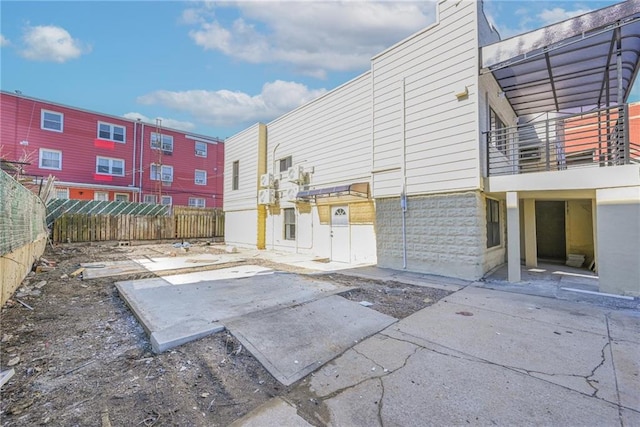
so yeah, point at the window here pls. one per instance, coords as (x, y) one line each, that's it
(121, 197)
(161, 172)
(62, 193)
(493, 223)
(197, 202)
(109, 166)
(499, 131)
(201, 149)
(235, 179)
(165, 142)
(102, 196)
(166, 200)
(111, 132)
(50, 120)
(289, 224)
(50, 159)
(150, 199)
(200, 177)
(285, 164)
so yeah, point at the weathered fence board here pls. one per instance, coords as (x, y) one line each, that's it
(182, 223)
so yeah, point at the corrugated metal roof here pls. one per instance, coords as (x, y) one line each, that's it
(569, 65)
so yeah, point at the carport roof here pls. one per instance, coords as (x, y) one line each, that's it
(569, 65)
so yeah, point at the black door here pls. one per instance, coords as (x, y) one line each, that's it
(550, 230)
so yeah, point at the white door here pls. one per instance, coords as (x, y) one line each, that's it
(340, 249)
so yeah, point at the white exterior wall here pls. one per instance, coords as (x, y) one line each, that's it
(331, 138)
(419, 124)
(240, 205)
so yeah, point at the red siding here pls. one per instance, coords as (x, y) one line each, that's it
(20, 120)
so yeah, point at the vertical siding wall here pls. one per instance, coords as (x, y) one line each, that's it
(241, 205)
(439, 130)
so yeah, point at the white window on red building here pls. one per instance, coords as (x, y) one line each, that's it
(201, 149)
(109, 166)
(167, 200)
(161, 173)
(200, 177)
(121, 197)
(62, 193)
(50, 159)
(197, 202)
(162, 142)
(102, 196)
(150, 199)
(111, 132)
(51, 120)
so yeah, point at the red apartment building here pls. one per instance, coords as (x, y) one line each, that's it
(97, 156)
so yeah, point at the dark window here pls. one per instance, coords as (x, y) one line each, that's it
(498, 131)
(285, 164)
(289, 224)
(235, 178)
(493, 223)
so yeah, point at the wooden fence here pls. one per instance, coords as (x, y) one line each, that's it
(182, 223)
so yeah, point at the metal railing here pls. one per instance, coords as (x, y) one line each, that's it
(597, 138)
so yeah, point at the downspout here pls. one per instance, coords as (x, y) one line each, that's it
(403, 194)
(133, 162)
(273, 217)
(140, 199)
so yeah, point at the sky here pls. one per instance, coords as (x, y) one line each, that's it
(211, 67)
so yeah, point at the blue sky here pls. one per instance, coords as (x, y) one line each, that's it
(215, 67)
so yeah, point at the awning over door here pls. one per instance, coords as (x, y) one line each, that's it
(355, 191)
(587, 61)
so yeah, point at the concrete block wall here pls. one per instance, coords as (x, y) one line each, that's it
(445, 234)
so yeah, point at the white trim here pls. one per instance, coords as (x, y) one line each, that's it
(99, 186)
(59, 190)
(166, 204)
(112, 127)
(195, 177)
(204, 153)
(43, 111)
(205, 140)
(158, 176)
(115, 197)
(50, 151)
(110, 160)
(194, 205)
(155, 199)
(162, 137)
(96, 193)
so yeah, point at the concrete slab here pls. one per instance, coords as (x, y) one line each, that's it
(626, 358)
(95, 270)
(417, 279)
(175, 313)
(295, 341)
(276, 412)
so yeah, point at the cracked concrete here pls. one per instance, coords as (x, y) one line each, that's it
(516, 360)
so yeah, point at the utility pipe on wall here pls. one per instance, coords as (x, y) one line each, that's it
(141, 152)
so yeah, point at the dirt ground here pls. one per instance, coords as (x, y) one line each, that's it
(81, 358)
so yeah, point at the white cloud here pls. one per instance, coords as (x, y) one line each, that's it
(313, 36)
(4, 41)
(51, 43)
(227, 108)
(557, 14)
(169, 123)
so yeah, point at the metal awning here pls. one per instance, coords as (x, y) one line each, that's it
(587, 61)
(357, 190)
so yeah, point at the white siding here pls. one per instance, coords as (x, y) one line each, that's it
(331, 136)
(242, 147)
(440, 131)
(240, 228)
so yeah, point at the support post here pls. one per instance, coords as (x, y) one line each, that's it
(513, 233)
(530, 244)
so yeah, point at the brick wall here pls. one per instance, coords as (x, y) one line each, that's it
(446, 234)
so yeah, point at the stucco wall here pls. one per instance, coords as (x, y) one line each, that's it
(445, 234)
(618, 235)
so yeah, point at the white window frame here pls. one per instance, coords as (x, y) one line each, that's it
(46, 150)
(194, 202)
(110, 160)
(150, 199)
(166, 201)
(154, 142)
(203, 181)
(165, 171)
(42, 113)
(289, 223)
(120, 195)
(202, 151)
(102, 194)
(60, 191)
(112, 133)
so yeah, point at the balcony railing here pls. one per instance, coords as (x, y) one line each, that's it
(597, 138)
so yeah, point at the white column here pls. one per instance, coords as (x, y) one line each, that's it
(513, 236)
(530, 245)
